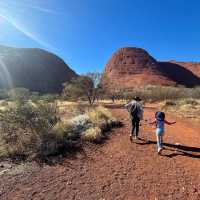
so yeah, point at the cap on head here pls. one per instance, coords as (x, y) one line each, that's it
(137, 99)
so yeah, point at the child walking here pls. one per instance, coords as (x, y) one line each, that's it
(160, 124)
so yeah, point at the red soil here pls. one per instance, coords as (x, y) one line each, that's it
(118, 169)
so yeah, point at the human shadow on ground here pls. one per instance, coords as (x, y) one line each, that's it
(176, 149)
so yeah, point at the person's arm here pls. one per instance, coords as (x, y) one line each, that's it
(153, 122)
(127, 105)
(169, 123)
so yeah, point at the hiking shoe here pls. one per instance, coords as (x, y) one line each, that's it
(160, 151)
(135, 137)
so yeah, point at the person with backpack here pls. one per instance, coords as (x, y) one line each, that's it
(135, 110)
(160, 121)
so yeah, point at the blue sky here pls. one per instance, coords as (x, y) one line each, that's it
(85, 33)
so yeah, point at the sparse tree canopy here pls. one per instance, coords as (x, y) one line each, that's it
(95, 77)
(83, 86)
(109, 88)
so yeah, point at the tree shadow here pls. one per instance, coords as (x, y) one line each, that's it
(176, 149)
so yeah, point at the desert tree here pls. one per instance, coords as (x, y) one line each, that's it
(84, 86)
(109, 88)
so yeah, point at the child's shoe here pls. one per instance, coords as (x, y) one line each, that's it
(159, 151)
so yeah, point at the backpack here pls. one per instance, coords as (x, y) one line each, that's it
(160, 116)
(134, 111)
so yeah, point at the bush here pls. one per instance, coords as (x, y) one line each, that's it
(99, 114)
(93, 134)
(35, 130)
(28, 130)
(152, 93)
(90, 126)
(49, 97)
(170, 103)
(191, 102)
(19, 94)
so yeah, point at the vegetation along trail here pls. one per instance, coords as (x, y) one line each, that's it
(119, 169)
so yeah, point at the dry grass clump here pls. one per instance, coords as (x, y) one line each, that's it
(189, 108)
(102, 118)
(90, 126)
(93, 134)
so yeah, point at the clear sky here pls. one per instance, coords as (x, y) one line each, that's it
(85, 33)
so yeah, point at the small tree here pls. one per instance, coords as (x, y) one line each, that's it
(96, 79)
(109, 87)
(81, 87)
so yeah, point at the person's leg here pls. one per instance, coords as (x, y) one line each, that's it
(161, 140)
(137, 124)
(158, 137)
(133, 127)
(158, 141)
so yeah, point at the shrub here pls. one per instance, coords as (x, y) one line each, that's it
(170, 103)
(99, 114)
(34, 130)
(102, 118)
(93, 134)
(191, 102)
(80, 123)
(19, 94)
(49, 97)
(27, 130)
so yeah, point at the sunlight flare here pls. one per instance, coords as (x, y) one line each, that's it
(5, 77)
(7, 14)
(23, 30)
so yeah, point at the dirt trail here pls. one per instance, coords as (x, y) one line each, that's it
(119, 170)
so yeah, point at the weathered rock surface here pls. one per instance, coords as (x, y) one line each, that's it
(34, 69)
(132, 67)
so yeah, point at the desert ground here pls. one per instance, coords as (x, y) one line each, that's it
(118, 169)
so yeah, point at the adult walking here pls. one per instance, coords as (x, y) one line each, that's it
(135, 110)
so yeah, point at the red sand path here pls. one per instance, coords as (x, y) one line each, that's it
(119, 170)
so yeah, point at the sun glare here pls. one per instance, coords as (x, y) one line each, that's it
(13, 14)
(5, 77)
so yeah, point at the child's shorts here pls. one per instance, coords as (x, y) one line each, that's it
(159, 131)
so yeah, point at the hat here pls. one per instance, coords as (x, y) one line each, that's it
(137, 99)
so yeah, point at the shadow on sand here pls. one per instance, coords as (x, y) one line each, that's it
(175, 149)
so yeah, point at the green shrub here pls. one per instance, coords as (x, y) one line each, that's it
(27, 130)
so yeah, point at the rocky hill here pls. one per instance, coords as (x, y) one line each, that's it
(194, 67)
(35, 69)
(132, 67)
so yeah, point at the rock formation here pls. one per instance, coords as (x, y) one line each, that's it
(34, 69)
(133, 67)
